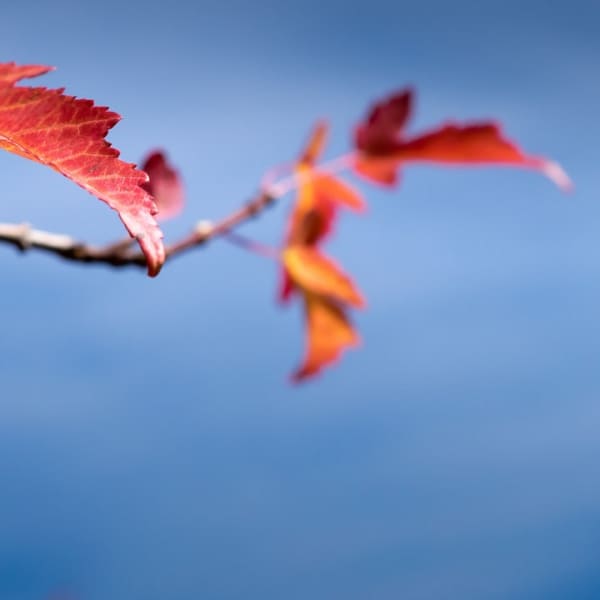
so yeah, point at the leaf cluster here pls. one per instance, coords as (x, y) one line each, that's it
(69, 135)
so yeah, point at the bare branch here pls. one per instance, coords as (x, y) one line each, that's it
(121, 254)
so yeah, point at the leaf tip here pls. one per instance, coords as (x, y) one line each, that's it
(154, 251)
(558, 175)
(315, 144)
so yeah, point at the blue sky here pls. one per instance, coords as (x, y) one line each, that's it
(150, 446)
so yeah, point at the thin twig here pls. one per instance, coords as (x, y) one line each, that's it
(241, 241)
(122, 253)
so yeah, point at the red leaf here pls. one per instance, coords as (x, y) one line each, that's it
(380, 134)
(383, 147)
(67, 134)
(164, 185)
(328, 334)
(11, 73)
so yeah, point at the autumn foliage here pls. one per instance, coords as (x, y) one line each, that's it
(68, 134)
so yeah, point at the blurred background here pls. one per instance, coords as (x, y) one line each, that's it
(150, 444)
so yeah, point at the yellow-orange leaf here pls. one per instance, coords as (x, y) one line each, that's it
(334, 189)
(323, 287)
(316, 274)
(319, 196)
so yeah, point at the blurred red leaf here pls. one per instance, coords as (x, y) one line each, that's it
(164, 184)
(379, 135)
(68, 135)
(383, 147)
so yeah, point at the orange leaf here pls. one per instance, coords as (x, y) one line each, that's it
(316, 207)
(164, 185)
(315, 210)
(328, 334)
(314, 214)
(67, 134)
(383, 147)
(335, 190)
(315, 273)
(325, 289)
